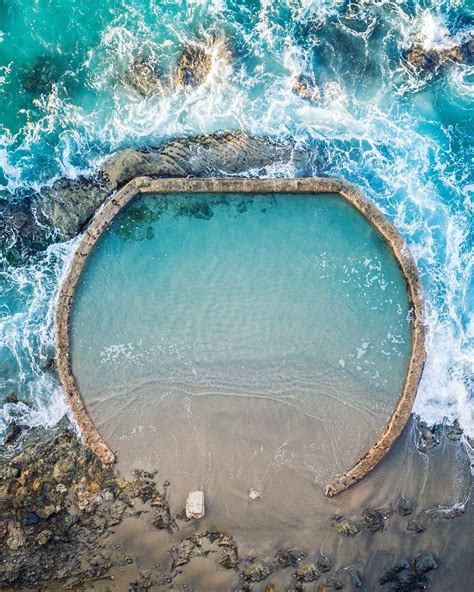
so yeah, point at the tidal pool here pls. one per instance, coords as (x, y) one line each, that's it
(237, 341)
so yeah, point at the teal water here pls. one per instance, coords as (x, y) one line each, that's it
(289, 305)
(405, 138)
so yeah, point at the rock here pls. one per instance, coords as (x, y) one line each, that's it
(403, 507)
(289, 557)
(208, 155)
(186, 550)
(143, 78)
(43, 537)
(69, 203)
(424, 563)
(344, 526)
(257, 571)
(162, 515)
(230, 555)
(195, 505)
(372, 520)
(354, 575)
(31, 519)
(254, 494)
(454, 432)
(3, 529)
(446, 513)
(44, 72)
(198, 60)
(415, 526)
(334, 583)
(391, 574)
(429, 437)
(323, 562)
(308, 572)
(306, 88)
(13, 433)
(432, 59)
(29, 222)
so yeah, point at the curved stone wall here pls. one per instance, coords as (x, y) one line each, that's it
(140, 185)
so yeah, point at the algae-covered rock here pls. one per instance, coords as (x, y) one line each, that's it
(308, 572)
(372, 520)
(257, 571)
(344, 526)
(289, 557)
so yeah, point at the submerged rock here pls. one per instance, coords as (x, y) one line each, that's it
(306, 88)
(432, 59)
(197, 61)
(424, 563)
(143, 78)
(40, 78)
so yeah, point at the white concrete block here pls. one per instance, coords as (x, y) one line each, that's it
(195, 505)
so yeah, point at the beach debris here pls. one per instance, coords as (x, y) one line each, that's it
(254, 494)
(195, 505)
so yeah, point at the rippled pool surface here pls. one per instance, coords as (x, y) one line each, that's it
(233, 324)
(404, 137)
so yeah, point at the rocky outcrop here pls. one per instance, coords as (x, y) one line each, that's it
(213, 155)
(432, 59)
(29, 223)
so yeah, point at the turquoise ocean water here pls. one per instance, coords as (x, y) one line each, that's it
(405, 139)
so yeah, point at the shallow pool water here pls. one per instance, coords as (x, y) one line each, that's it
(238, 341)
